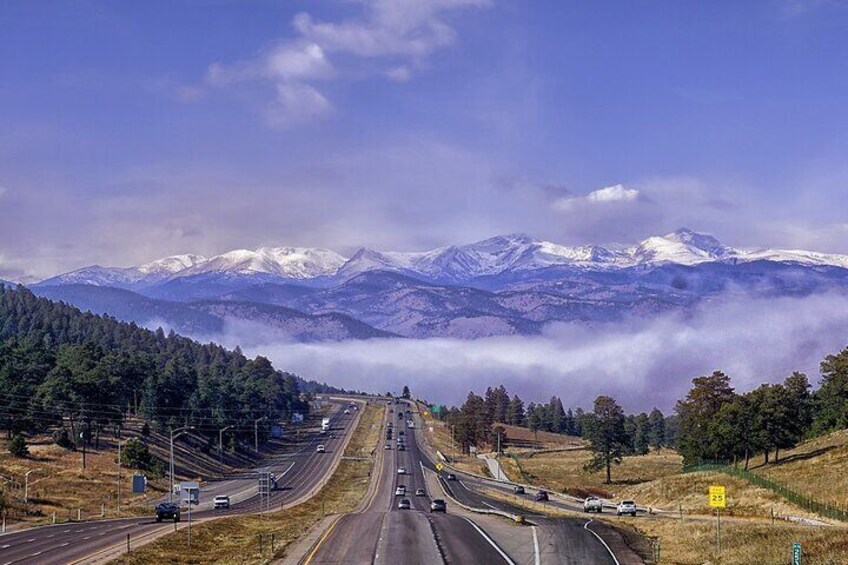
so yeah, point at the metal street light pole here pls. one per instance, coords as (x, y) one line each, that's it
(175, 433)
(221, 445)
(256, 433)
(26, 485)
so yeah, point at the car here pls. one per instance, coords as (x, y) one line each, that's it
(438, 505)
(401, 470)
(400, 490)
(400, 433)
(541, 496)
(388, 446)
(347, 411)
(593, 504)
(221, 502)
(518, 490)
(401, 447)
(404, 504)
(391, 425)
(420, 492)
(168, 511)
(626, 507)
(451, 477)
(320, 449)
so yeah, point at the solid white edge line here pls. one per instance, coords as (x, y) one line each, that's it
(491, 542)
(586, 527)
(538, 559)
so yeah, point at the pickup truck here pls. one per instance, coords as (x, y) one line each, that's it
(593, 504)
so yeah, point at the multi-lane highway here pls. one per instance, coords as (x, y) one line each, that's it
(299, 473)
(383, 533)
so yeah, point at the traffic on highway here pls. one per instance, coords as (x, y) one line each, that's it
(297, 475)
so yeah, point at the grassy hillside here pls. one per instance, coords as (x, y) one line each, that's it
(563, 470)
(817, 468)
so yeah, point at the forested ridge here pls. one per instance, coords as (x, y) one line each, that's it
(60, 365)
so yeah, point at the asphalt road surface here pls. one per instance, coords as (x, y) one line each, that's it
(385, 534)
(566, 538)
(79, 542)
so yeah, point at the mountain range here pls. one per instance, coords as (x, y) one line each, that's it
(504, 285)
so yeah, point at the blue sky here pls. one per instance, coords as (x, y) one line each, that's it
(131, 131)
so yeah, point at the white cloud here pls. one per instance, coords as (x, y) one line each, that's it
(615, 193)
(297, 102)
(404, 31)
(301, 62)
(607, 195)
(407, 28)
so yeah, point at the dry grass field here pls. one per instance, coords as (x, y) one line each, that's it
(261, 539)
(688, 492)
(690, 542)
(817, 468)
(59, 485)
(562, 471)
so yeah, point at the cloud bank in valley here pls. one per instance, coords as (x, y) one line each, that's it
(642, 362)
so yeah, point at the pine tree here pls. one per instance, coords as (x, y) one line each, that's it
(604, 429)
(656, 426)
(516, 412)
(641, 441)
(700, 406)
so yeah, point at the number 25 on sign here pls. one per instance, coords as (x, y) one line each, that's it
(718, 498)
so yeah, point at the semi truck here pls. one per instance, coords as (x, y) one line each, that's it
(325, 425)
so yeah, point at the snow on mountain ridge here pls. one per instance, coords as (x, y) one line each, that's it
(492, 256)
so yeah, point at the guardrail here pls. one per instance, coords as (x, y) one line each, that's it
(805, 502)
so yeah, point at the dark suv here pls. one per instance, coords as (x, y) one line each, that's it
(541, 496)
(168, 511)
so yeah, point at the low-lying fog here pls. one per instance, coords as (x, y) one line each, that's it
(642, 362)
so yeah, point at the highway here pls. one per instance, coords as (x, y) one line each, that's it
(83, 542)
(383, 534)
(567, 540)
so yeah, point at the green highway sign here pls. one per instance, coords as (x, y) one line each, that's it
(796, 553)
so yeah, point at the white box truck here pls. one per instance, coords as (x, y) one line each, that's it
(325, 425)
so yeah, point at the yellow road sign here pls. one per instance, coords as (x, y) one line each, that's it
(439, 466)
(718, 497)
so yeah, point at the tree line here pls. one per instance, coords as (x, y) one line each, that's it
(712, 423)
(62, 367)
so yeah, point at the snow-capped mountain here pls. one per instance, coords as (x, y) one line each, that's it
(284, 262)
(495, 256)
(127, 277)
(504, 285)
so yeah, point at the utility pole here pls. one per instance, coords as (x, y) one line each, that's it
(82, 438)
(119, 477)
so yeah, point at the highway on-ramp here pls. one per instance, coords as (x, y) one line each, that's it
(81, 542)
